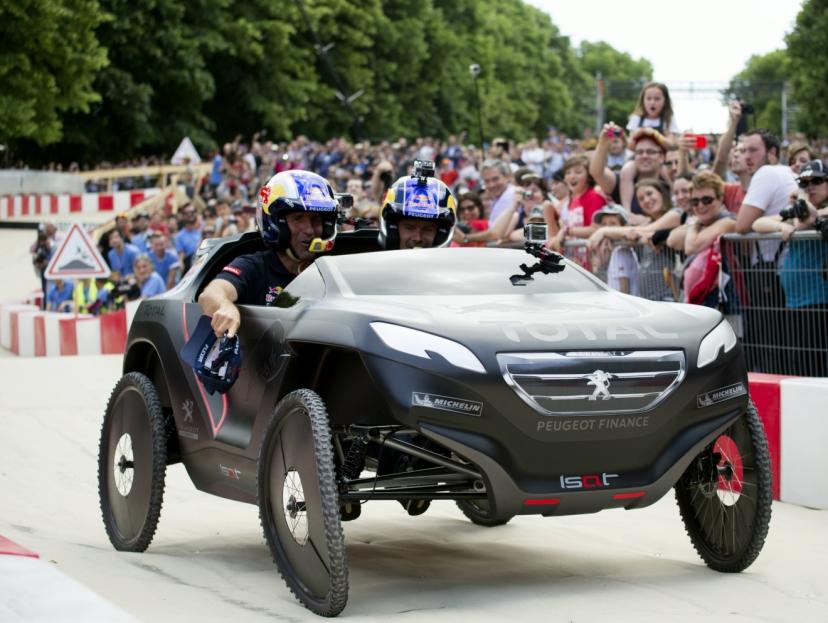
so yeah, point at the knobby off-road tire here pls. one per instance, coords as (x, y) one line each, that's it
(478, 513)
(299, 503)
(132, 463)
(724, 496)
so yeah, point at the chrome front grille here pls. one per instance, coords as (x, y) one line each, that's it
(593, 382)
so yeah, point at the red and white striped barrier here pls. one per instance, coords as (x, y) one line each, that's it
(797, 430)
(48, 206)
(27, 331)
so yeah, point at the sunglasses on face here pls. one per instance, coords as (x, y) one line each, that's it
(695, 201)
(815, 181)
(671, 163)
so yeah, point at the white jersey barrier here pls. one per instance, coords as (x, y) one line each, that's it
(28, 331)
(31, 206)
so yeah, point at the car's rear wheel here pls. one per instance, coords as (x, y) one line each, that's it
(479, 512)
(132, 463)
(299, 504)
(724, 496)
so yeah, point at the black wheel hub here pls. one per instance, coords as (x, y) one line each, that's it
(294, 506)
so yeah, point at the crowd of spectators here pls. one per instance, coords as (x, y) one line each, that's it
(641, 206)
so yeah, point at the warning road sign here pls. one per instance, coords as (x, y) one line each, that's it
(77, 258)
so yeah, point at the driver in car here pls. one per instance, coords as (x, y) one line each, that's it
(418, 212)
(296, 217)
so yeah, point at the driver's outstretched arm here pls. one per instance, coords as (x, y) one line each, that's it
(217, 300)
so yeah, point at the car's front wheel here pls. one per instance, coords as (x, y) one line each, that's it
(724, 495)
(299, 504)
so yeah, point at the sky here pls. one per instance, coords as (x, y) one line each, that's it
(689, 41)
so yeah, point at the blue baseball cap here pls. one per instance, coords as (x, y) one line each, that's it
(215, 361)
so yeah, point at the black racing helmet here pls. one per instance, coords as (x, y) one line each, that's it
(296, 191)
(417, 197)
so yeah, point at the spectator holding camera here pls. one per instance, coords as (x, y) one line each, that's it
(804, 270)
(649, 148)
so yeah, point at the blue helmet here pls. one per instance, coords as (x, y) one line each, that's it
(296, 191)
(420, 198)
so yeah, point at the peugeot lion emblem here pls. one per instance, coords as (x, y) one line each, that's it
(601, 381)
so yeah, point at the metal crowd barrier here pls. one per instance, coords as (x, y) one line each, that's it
(773, 292)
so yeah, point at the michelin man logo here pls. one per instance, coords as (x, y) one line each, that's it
(601, 381)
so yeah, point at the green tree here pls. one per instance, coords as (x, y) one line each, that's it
(760, 84)
(48, 59)
(808, 61)
(623, 77)
(154, 89)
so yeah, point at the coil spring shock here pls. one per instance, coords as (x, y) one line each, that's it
(355, 459)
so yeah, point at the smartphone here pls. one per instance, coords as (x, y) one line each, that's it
(701, 140)
(535, 232)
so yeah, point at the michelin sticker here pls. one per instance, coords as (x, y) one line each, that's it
(446, 403)
(720, 395)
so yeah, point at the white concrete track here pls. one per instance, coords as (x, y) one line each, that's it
(208, 561)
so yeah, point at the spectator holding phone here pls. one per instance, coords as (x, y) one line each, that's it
(649, 148)
(731, 154)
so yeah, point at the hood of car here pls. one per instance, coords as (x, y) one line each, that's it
(603, 319)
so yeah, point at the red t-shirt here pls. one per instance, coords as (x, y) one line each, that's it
(733, 196)
(591, 201)
(449, 177)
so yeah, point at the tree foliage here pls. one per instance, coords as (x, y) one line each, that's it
(808, 56)
(49, 54)
(212, 69)
(760, 84)
(623, 77)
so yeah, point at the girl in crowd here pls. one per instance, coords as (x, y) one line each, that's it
(655, 263)
(654, 110)
(584, 200)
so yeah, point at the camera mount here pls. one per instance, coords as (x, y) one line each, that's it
(550, 262)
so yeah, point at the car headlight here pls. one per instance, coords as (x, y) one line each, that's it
(420, 343)
(722, 337)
